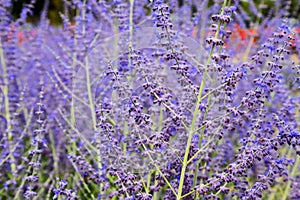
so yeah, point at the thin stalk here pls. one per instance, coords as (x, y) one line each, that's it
(149, 181)
(7, 113)
(156, 194)
(55, 157)
(195, 114)
(131, 2)
(89, 88)
(201, 137)
(125, 132)
(73, 145)
(87, 74)
(90, 96)
(74, 63)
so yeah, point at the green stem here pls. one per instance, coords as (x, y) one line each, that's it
(149, 181)
(87, 74)
(126, 131)
(131, 23)
(73, 146)
(89, 89)
(74, 63)
(7, 113)
(90, 96)
(55, 157)
(195, 114)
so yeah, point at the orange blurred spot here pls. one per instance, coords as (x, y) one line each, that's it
(21, 37)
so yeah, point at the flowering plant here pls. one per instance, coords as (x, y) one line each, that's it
(150, 100)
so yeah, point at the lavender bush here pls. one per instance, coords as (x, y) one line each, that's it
(150, 100)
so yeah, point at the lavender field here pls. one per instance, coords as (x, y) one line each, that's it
(151, 99)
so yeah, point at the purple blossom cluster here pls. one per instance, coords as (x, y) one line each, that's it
(150, 100)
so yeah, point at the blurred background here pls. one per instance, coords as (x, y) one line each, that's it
(54, 7)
